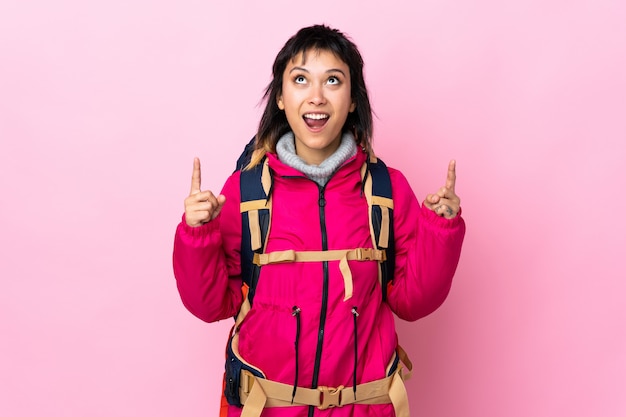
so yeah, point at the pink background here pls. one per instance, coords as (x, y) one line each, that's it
(103, 105)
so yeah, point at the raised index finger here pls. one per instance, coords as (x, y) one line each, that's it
(195, 177)
(451, 179)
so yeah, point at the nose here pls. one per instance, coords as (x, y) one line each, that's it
(317, 94)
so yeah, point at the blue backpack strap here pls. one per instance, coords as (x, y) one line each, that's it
(382, 218)
(255, 191)
(246, 155)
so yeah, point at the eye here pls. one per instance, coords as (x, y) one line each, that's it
(300, 79)
(333, 80)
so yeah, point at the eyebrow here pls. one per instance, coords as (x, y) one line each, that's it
(308, 72)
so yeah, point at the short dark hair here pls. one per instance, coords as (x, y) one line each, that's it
(274, 125)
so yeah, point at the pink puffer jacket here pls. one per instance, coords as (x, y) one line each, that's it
(305, 217)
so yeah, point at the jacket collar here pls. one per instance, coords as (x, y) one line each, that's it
(353, 163)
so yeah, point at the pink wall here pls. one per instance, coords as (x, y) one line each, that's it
(103, 105)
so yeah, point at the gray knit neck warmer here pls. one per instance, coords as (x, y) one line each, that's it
(286, 151)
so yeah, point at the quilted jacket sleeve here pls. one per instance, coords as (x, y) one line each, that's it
(206, 261)
(428, 248)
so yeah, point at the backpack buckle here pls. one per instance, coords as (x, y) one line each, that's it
(361, 254)
(330, 397)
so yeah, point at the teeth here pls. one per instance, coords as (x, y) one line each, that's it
(316, 116)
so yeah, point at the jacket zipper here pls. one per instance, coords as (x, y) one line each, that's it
(320, 335)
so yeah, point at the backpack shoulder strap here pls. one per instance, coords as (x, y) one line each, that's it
(255, 190)
(246, 155)
(377, 190)
(256, 204)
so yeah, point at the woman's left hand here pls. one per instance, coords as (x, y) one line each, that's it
(445, 202)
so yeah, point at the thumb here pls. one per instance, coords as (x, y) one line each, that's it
(431, 199)
(221, 199)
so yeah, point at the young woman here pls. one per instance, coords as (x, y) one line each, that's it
(319, 336)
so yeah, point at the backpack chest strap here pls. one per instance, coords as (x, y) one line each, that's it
(343, 256)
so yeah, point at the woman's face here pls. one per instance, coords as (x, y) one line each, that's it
(316, 98)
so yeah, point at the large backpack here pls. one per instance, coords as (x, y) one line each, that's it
(256, 189)
(256, 205)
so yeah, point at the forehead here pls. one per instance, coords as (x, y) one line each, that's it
(301, 58)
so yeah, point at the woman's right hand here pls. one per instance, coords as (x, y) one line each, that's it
(201, 206)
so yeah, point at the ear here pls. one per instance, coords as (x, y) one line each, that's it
(279, 102)
(352, 107)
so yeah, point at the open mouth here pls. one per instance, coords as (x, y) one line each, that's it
(315, 120)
